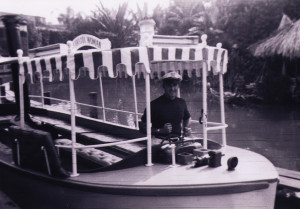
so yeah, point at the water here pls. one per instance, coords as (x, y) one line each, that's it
(271, 130)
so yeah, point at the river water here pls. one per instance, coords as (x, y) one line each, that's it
(271, 130)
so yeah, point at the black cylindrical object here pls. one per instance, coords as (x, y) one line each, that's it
(215, 159)
(46, 100)
(232, 163)
(16, 36)
(93, 101)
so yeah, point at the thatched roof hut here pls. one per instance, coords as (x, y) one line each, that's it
(285, 41)
(281, 70)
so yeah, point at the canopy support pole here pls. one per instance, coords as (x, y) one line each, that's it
(73, 115)
(102, 96)
(21, 91)
(73, 126)
(148, 120)
(204, 101)
(42, 90)
(135, 102)
(222, 108)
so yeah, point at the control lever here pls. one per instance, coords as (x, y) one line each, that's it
(172, 146)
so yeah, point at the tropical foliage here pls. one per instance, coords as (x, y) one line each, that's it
(181, 17)
(115, 25)
(237, 24)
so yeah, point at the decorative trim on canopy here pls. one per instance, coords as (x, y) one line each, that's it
(129, 61)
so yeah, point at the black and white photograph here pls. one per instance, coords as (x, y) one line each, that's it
(149, 104)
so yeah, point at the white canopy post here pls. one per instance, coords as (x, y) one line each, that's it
(148, 122)
(21, 92)
(42, 90)
(135, 101)
(222, 107)
(102, 96)
(204, 94)
(147, 33)
(204, 103)
(73, 116)
(73, 126)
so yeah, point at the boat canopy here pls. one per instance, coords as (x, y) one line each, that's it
(148, 61)
(130, 61)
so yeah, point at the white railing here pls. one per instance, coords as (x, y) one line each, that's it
(103, 145)
(89, 105)
(51, 98)
(216, 126)
(107, 108)
(212, 125)
(74, 147)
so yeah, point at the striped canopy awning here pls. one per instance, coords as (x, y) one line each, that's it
(128, 62)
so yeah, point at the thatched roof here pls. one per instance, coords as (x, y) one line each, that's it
(285, 21)
(285, 42)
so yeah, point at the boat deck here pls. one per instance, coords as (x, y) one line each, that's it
(253, 173)
(157, 186)
(251, 167)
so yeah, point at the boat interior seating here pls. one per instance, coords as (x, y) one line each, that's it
(34, 149)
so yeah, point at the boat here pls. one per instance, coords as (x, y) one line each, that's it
(51, 158)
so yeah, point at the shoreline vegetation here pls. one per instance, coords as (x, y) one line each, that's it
(261, 37)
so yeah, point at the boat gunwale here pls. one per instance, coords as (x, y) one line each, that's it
(146, 190)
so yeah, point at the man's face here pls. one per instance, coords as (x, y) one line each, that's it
(171, 88)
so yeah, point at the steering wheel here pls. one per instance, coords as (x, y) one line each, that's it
(172, 138)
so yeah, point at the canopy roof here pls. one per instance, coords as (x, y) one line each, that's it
(129, 61)
(285, 41)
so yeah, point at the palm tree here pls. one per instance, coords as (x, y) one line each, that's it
(158, 15)
(67, 18)
(183, 15)
(115, 25)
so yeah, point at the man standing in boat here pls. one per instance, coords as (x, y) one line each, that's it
(169, 114)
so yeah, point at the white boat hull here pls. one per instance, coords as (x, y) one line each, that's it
(159, 186)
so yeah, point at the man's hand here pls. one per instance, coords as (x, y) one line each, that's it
(166, 129)
(187, 131)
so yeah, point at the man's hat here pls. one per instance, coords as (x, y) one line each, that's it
(172, 75)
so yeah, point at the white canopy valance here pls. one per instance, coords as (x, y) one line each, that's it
(129, 61)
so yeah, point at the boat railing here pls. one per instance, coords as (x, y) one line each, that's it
(107, 108)
(5, 93)
(212, 125)
(8, 97)
(42, 104)
(216, 126)
(103, 145)
(50, 98)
